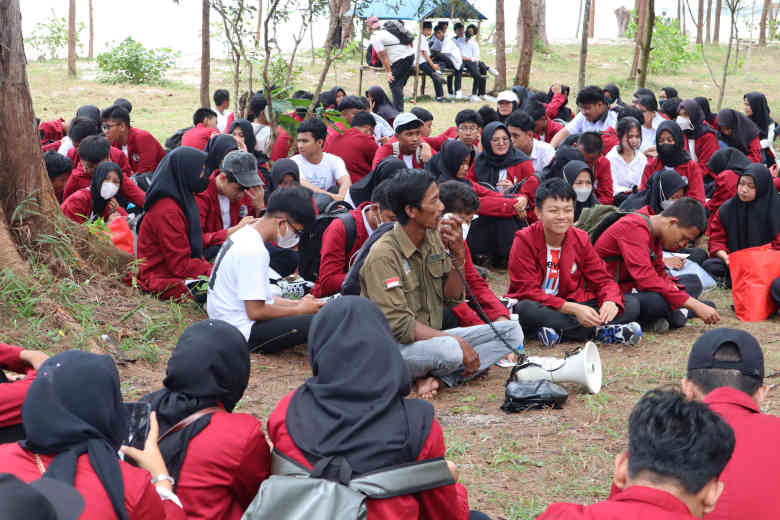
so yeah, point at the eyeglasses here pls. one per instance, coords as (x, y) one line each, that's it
(468, 129)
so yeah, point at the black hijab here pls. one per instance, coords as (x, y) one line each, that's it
(614, 92)
(670, 106)
(487, 164)
(382, 104)
(697, 117)
(728, 159)
(249, 134)
(73, 407)
(444, 165)
(178, 177)
(284, 167)
(563, 156)
(89, 111)
(216, 150)
(704, 103)
(570, 173)
(98, 178)
(208, 367)
(386, 169)
(354, 405)
(660, 186)
(678, 154)
(670, 92)
(743, 130)
(750, 224)
(760, 115)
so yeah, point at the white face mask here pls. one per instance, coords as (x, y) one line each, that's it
(465, 228)
(108, 190)
(288, 240)
(684, 123)
(666, 203)
(583, 194)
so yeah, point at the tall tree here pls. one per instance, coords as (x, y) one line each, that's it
(762, 23)
(716, 24)
(540, 21)
(500, 36)
(699, 22)
(91, 53)
(592, 19)
(647, 40)
(641, 10)
(205, 54)
(733, 7)
(584, 46)
(709, 20)
(523, 73)
(72, 38)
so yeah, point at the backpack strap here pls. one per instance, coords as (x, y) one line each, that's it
(404, 479)
(189, 420)
(350, 228)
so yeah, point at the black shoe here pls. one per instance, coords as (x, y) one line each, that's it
(481, 260)
(443, 100)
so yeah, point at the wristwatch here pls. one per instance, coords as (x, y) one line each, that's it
(169, 478)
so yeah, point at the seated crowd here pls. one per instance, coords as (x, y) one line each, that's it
(369, 244)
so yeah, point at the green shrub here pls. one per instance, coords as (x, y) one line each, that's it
(50, 37)
(131, 62)
(669, 48)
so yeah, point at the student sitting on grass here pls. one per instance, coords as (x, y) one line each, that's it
(670, 145)
(141, 148)
(12, 393)
(355, 146)
(205, 125)
(320, 171)
(99, 200)
(59, 169)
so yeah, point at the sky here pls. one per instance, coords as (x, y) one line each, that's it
(162, 23)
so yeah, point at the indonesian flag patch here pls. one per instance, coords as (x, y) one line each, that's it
(392, 283)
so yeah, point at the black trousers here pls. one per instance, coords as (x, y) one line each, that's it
(492, 236)
(533, 315)
(653, 306)
(774, 290)
(283, 261)
(275, 335)
(437, 83)
(444, 62)
(695, 254)
(478, 88)
(716, 267)
(401, 70)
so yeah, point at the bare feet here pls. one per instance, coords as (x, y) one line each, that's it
(426, 387)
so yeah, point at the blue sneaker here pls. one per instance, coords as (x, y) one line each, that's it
(548, 336)
(627, 334)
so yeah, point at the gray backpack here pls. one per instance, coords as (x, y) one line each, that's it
(293, 492)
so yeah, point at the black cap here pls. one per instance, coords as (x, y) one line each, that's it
(44, 499)
(703, 352)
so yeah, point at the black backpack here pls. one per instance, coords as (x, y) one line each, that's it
(398, 30)
(311, 242)
(174, 141)
(351, 283)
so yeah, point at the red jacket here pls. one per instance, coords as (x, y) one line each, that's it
(754, 150)
(583, 275)
(143, 150)
(214, 231)
(628, 241)
(164, 251)
(719, 238)
(633, 503)
(52, 130)
(486, 298)
(78, 207)
(115, 155)
(602, 180)
(436, 142)
(283, 141)
(496, 204)
(356, 149)
(689, 170)
(705, 146)
(198, 136)
(12, 394)
(552, 128)
(141, 499)
(447, 502)
(609, 140)
(334, 260)
(386, 150)
(79, 179)
(725, 188)
(54, 145)
(224, 467)
(555, 104)
(750, 491)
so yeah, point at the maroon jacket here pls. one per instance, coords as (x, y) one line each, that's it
(447, 502)
(582, 273)
(495, 204)
(750, 491)
(214, 232)
(115, 155)
(493, 308)
(78, 207)
(602, 180)
(143, 150)
(552, 128)
(689, 170)
(12, 394)
(628, 241)
(554, 106)
(754, 150)
(334, 260)
(283, 141)
(164, 251)
(79, 179)
(633, 503)
(198, 136)
(356, 149)
(224, 467)
(725, 188)
(386, 150)
(719, 238)
(705, 146)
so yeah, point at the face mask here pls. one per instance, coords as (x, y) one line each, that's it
(288, 240)
(684, 123)
(465, 227)
(665, 150)
(583, 194)
(666, 203)
(108, 190)
(608, 100)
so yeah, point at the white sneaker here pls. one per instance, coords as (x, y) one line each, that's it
(489, 99)
(493, 71)
(475, 99)
(459, 94)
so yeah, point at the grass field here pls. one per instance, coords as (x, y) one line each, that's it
(513, 465)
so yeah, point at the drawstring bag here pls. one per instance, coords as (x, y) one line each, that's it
(121, 234)
(752, 272)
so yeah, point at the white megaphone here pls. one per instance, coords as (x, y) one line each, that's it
(584, 368)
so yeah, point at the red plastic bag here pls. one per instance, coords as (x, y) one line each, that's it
(752, 272)
(121, 234)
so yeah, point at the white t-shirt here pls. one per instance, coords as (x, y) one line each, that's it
(382, 40)
(626, 176)
(382, 128)
(324, 175)
(450, 49)
(124, 151)
(222, 118)
(420, 48)
(648, 134)
(541, 154)
(408, 160)
(262, 137)
(65, 145)
(470, 49)
(224, 208)
(240, 274)
(580, 124)
(461, 43)
(551, 275)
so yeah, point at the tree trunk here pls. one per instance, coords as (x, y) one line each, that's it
(641, 9)
(699, 22)
(72, 39)
(336, 8)
(647, 40)
(584, 46)
(732, 32)
(500, 37)
(709, 20)
(762, 23)
(623, 16)
(205, 55)
(592, 19)
(523, 73)
(540, 21)
(716, 24)
(91, 53)
(259, 23)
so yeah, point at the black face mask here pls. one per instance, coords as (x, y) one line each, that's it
(608, 100)
(665, 150)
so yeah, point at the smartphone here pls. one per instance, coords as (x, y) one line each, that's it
(138, 424)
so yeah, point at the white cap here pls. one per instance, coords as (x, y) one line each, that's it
(507, 95)
(403, 119)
